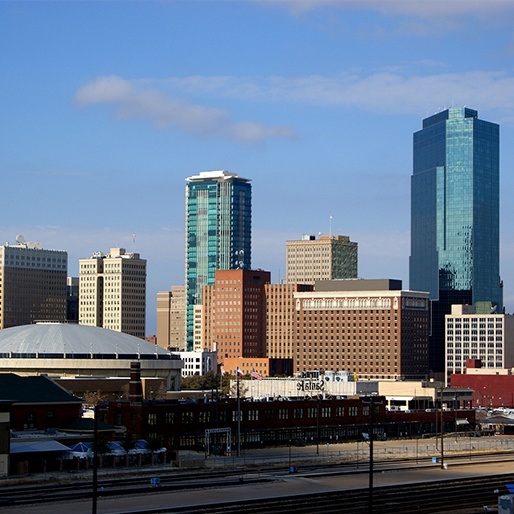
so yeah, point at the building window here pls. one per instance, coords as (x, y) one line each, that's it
(30, 420)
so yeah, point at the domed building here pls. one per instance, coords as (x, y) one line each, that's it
(69, 350)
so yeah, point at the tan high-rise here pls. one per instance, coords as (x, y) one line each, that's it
(281, 319)
(112, 291)
(326, 258)
(171, 318)
(32, 284)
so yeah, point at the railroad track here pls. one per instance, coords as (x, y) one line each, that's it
(469, 495)
(63, 492)
(81, 489)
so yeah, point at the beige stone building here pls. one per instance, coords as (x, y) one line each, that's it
(371, 327)
(171, 318)
(327, 258)
(32, 284)
(112, 289)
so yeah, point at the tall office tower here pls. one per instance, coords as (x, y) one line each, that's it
(218, 232)
(326, 258)
(281, 319)
(171, 320)
(112, 291)
(238, 305)
(32, 284)
(455, 215)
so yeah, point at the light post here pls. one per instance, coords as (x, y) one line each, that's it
(96, 448)
(372, 402)
(317, 428)
(436, 420)
(442, 430)
(95, 461)
(238, 414)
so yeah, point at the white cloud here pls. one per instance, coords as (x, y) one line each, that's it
(387, 91)
(425, 8)
(131, 101)
(392, 90)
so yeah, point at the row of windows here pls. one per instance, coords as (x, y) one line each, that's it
(187, 417)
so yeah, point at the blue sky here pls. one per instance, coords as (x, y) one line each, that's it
(106, 108)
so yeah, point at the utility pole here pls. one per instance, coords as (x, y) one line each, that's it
(372, 403)
(95, 461)
(371, 427)
(442, 430)
(238, 415)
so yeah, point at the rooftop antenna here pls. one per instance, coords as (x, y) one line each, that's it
(330, 224)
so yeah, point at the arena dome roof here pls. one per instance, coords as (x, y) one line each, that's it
(71, 340)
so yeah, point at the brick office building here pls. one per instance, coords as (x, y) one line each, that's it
(370, 327)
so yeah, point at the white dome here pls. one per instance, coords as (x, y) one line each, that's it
(74, 341)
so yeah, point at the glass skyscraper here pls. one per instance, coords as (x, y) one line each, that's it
(218, 232)
(455, 223)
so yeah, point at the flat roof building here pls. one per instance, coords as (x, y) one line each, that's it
(376, 333)
(327, 258)
(112, 291)
(477, 333)
(171, 318)
(198, 363)
(238, 308)
(281, 319)
(32, 284)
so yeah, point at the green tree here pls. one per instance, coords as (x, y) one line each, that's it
(209, 382)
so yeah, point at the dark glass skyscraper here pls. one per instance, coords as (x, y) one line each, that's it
(218, 233)
(455, 216)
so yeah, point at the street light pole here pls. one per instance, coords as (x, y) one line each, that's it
(371, 429)
(95, 461)
(238, 415)
(317, 428)
(442, 431)
(371, 455)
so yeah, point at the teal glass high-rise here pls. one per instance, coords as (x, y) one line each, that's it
(455, 216)
(218, 233)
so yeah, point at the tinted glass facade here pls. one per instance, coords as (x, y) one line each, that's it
(455, 210)
(218, 232)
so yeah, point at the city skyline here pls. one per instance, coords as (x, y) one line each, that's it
(106, 109)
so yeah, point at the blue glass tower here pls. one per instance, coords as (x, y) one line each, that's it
(455, 216)
(218, 233)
